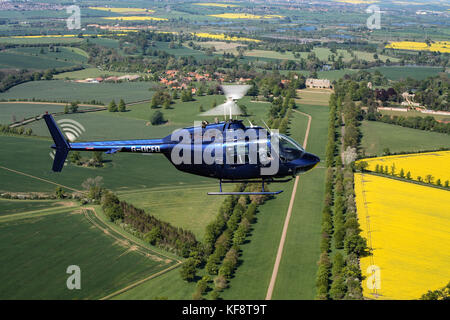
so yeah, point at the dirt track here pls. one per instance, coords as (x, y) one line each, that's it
(286, 221)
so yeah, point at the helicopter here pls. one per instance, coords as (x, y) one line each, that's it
(226, 150)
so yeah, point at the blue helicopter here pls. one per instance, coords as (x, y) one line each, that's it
(225, 150)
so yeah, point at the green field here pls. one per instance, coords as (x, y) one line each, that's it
(18, 206)
(183, 51)
(22, 60)
(168, 286)
(418, 73)
(70, 91)
(26, 110)
(118, 174)
(318, 97)
(34, 265)
(321, 53)
(413, 113)
(297, 273)
(183, 206)
(49, 40)
(184, 113)
(378, 135)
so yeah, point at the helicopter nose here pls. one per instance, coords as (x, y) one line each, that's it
(311, 158)
(308, 161)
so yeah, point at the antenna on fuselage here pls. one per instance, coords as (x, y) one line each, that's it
(265, 124)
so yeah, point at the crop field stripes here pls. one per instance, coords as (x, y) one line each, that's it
(35, 213)
(40, 179)
(369, 233)
(92, 217)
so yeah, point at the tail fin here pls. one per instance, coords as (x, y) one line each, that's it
(62, 146)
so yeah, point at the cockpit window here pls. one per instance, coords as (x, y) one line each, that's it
(289, 149)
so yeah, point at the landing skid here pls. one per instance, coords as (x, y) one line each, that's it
(262, 192)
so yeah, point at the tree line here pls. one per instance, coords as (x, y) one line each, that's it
(223, 237)
(339, 275)
(144, 225)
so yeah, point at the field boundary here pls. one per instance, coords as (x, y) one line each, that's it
(287, 219)
(138, 247)
(405, 180)
(41, 179)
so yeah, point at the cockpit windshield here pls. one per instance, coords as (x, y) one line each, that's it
(289, 149)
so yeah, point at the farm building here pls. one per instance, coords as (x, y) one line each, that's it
(318, 83)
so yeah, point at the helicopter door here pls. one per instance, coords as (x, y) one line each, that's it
(264, 154)
(237, 154)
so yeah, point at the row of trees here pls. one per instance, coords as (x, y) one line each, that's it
(112, 107)
(11, 78)
(6, 129)
(392, 170)
(427, 123)
(146, 226)
(223, 236)
(339, 277)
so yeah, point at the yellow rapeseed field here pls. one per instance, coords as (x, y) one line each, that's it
(222, 36)
(245, 16)
(123, 10)
(135, 18)
(436, 164)
(438, 46)
(409, 228)
(212, 4)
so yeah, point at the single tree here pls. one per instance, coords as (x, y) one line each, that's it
(157, 118)
(112, 107)
(122, 106)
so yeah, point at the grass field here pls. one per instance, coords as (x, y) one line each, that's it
(168, 286)
(298, 267)
(409, 227)
(20, 60)
(377, 136)
(183, 206)
(63, 90)
(317, 97)
(419, 164)
(34, 265)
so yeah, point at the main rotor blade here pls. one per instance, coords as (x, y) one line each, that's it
(227, 108)
(235, 92)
